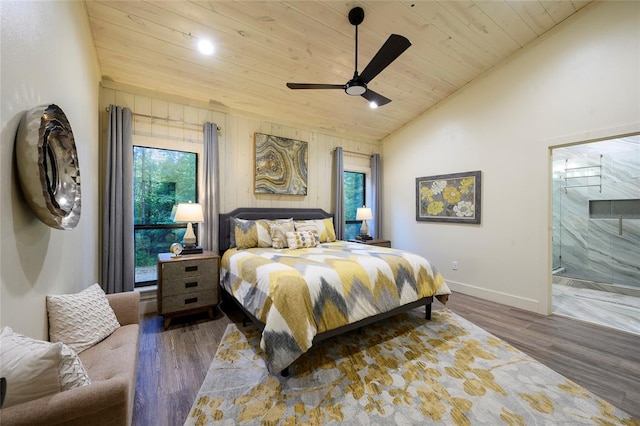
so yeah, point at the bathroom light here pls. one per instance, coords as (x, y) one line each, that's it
(205, 47)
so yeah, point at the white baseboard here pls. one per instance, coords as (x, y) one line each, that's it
(495, 296)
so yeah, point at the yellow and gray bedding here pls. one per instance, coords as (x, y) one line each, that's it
(298, 293)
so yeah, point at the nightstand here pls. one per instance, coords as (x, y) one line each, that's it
(187, 284)
(374, 242)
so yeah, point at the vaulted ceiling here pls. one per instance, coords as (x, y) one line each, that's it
(260, 46)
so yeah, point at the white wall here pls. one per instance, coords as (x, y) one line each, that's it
(47, 57)
(578, 82)
(236, 146)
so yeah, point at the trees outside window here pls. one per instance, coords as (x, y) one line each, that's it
(162, 178)
(354, 197)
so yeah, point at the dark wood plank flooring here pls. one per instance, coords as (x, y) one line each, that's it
(173, 363)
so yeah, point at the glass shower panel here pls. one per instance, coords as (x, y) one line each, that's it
(626, 212)
(596, 212)
(557, 184)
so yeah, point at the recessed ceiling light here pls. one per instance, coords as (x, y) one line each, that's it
(205, 47)
(373, 105)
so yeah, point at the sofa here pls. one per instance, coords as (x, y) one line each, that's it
(110, 364)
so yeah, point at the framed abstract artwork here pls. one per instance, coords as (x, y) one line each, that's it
(280, 165)
(449, 198)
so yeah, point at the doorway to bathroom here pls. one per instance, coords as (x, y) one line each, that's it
(596, 232)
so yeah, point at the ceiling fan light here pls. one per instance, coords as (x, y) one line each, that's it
(355, 88)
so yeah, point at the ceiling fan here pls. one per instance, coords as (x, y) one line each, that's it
(357, 86)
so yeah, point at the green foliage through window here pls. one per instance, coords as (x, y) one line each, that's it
(162, 178)
(354, 197)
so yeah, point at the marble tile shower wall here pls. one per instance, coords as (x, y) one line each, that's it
(592, 249)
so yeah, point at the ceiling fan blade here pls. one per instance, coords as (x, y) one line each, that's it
(372, 96)
(389, 52)
(314, 86)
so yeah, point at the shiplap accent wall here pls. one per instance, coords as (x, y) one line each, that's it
(236, 145)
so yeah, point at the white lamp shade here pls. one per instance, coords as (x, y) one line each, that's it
(364, 213)
(189, 212)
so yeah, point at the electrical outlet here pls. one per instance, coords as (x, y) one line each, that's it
(454, 265)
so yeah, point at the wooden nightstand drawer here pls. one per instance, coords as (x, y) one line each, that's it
(181, 302)
(180, 285)
(188, 268)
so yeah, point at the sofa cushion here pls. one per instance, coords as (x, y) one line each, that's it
(81, 320)
(35, 368)
(117, 354)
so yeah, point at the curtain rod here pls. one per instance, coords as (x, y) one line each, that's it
(356, 153)
(153, 117)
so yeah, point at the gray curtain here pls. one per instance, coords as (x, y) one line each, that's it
(118, 273)
(376, 188)
(210, 201)
(338, 193)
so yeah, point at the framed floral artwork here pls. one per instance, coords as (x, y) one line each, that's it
(449, 198)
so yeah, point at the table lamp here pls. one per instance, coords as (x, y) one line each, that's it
(189, 212)
(364, 213)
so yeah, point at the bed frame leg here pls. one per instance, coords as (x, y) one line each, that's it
(244, 320)
(427, 311)
(285, 372)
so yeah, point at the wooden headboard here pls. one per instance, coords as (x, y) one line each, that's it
(254, 213)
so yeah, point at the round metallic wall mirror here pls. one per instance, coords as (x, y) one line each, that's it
(48, 168)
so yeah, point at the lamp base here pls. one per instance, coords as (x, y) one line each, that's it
(192, 250)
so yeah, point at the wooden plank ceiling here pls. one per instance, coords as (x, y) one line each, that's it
(260, 46)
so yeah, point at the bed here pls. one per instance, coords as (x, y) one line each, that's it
(299, 297)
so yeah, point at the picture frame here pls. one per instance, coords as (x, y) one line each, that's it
(280, 166)
(454, 197)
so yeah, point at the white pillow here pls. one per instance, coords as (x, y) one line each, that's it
(81, 320)
(35, 368)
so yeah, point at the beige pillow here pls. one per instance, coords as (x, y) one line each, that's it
(35, 368)
(279, 231)
(325, 228)
(302, 239)
(81, 320)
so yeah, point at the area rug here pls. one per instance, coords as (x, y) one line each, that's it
(402, 371)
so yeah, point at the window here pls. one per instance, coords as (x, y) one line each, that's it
(354, 197)
(162, 178)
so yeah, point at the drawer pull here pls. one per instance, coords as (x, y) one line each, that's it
(191, 300)
(191, 268)
(191, 284)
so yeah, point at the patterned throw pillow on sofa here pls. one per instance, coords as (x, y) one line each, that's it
(35, 368)
(81, 320)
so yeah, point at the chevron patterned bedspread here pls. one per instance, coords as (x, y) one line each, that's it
(300, 293)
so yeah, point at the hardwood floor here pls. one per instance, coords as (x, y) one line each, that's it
(173, 363)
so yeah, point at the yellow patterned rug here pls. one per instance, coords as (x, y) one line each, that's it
(402, 371)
